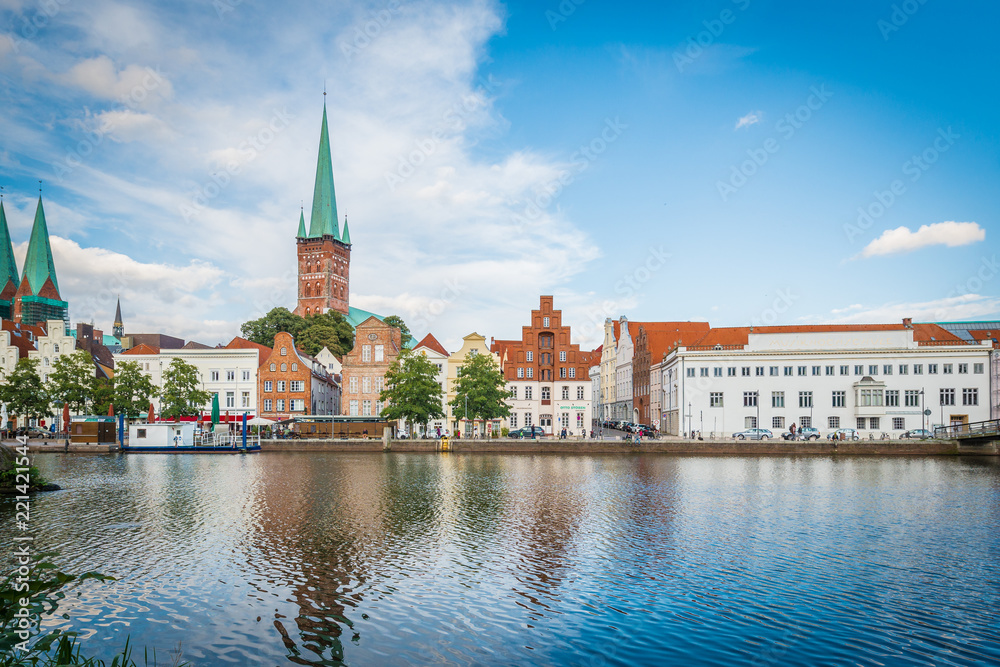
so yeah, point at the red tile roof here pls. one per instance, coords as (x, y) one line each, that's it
(739, 336)
(142, 348)
(431, 343)
(263, 351)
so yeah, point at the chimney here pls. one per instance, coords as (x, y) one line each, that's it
(98, 335)
(907, 322)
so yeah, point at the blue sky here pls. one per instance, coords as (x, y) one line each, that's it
(681, 161)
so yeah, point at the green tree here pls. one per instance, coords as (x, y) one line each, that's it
(181, 395)
(397, 321)
(330, 330)
(133, 390)
(71, 380)
(411, 390)
(102, 395)
(264, 329)
(480, 390)
(23, 392)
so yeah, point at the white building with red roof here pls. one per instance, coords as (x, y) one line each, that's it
(435, 352)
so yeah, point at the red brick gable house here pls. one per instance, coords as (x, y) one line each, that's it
(376, 347)
(290, 383)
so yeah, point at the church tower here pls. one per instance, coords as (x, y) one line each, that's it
(37, 299)
(119, 326)
(8, 269)
(324, 256)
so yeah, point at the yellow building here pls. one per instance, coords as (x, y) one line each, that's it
(472, 344)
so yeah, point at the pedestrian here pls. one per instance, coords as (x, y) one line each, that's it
(791, 429)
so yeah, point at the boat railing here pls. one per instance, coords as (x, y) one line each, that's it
(225, 439)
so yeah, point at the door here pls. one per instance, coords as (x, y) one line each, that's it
(959, 423)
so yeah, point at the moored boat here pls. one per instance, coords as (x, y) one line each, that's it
(182, 437)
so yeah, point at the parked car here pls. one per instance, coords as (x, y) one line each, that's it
(527, 432)
(918, 433)
(35, 432)
(754, 434)
(804, 433)
(646, 431)
(844, 434)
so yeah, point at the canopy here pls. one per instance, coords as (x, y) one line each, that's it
(260, 421)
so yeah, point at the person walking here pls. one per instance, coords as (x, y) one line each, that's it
(791, 429)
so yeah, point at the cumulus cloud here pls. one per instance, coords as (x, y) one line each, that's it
(132, 85)
(751, 118)
(902, 240)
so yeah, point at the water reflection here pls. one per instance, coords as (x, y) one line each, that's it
(327, 559)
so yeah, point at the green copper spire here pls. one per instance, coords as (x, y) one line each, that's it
(346, 237)
(323, 220)
(302, 226)
(38, 264)
(8, 267)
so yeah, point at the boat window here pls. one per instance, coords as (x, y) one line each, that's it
(140, 433)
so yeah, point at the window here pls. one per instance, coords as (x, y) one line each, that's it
(295, 367)
(230, 376)
(970, 397)
(845, 370)
(886, 369)
(873, 423)
(354, 408)
(833, 422)
(246, 376)
(366, 385)
(545, 322)
(527, 393)
(281, 405)
(760, 371)
(704, 372)
(806, 422)
(802, 370)
(746, 371)
(789, 370)
(932, 369)
(690, 372)
(513, 420)
(531, 372)
(947, 369)
(947, 397)
(55, 348)
(749, 399)
(527, 419)
(562, 356)
(213, 376)
(774, 370)
(529, 355)
(904, 369)
(268, 385)
(579, 393)
(366, 408)
(731, 372)
(717, 371)
(839, 399)
(861, 423)
(777, 422)
(284, 367)
(281, 385)
(873, 369)
(715, 399)
(380, 353)
(245, 399)
(963, 368)
(805, 399)
(520, 372)
(911, 398)
(513, 392)
(816, 370)
(562, 372)
(777, 399)
(366, 353)
(565, 393)
(898, 423)
(892, 398)
(977, 369)
(298, 385)
(378, 408)
(918, 369)
(273, 367)
(267, 405)
(750, 422)
(546, 393)
(297, 405)
(45, 362)
(871, 397)
(284, 351)
(859, 369)
(830, 370)
(353, 384)
(572, 372)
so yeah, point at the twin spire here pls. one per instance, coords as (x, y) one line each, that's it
(38, 263)
(323, 218)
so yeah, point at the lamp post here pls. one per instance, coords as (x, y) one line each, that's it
(923, 417)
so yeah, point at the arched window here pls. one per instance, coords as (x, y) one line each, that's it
(307, 291)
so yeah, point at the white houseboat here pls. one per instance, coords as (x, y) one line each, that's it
(178, 437)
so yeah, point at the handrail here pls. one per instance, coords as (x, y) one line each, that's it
(989, 427)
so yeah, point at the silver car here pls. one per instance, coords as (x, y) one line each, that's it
(844, 434)
(754, 434)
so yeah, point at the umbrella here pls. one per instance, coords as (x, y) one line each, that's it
(215, 410)
(111, 409)
(260, 421)
(65, 418)
(152, 417)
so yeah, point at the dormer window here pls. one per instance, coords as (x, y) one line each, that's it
(284, 351)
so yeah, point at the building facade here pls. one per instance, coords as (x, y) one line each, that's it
(652, 341)
(45, 342)
(472, 345)
(292, 384)
(609, 353)
(435, 352)
(324, 253)
(621, 409)
(872, 378)
(376, 347)
(547, 375)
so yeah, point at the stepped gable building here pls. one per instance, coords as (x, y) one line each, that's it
(547, 374)
(37, 298)
(8, 269)
(324, 253)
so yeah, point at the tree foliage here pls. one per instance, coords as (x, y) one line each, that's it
(311, 333)
(72, 380)
(102, 396)
(481, 381)
(411, 390)
(181, 394)
(23, 392)
(133, 389)
(397, 321)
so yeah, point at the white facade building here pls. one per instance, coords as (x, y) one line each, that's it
(609, 354)
(622, 406)
(431, 348)
(872, 378)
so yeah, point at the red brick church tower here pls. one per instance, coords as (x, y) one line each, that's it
(324, 254)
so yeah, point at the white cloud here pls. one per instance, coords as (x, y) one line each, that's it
(133, 85)
(901, 239)
(751, 118)
(952, 308)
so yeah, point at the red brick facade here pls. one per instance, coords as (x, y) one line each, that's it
(546, 341)
(324, 275)
(376, 347)
(284, 377)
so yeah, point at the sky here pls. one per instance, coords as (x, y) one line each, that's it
(732, 161)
